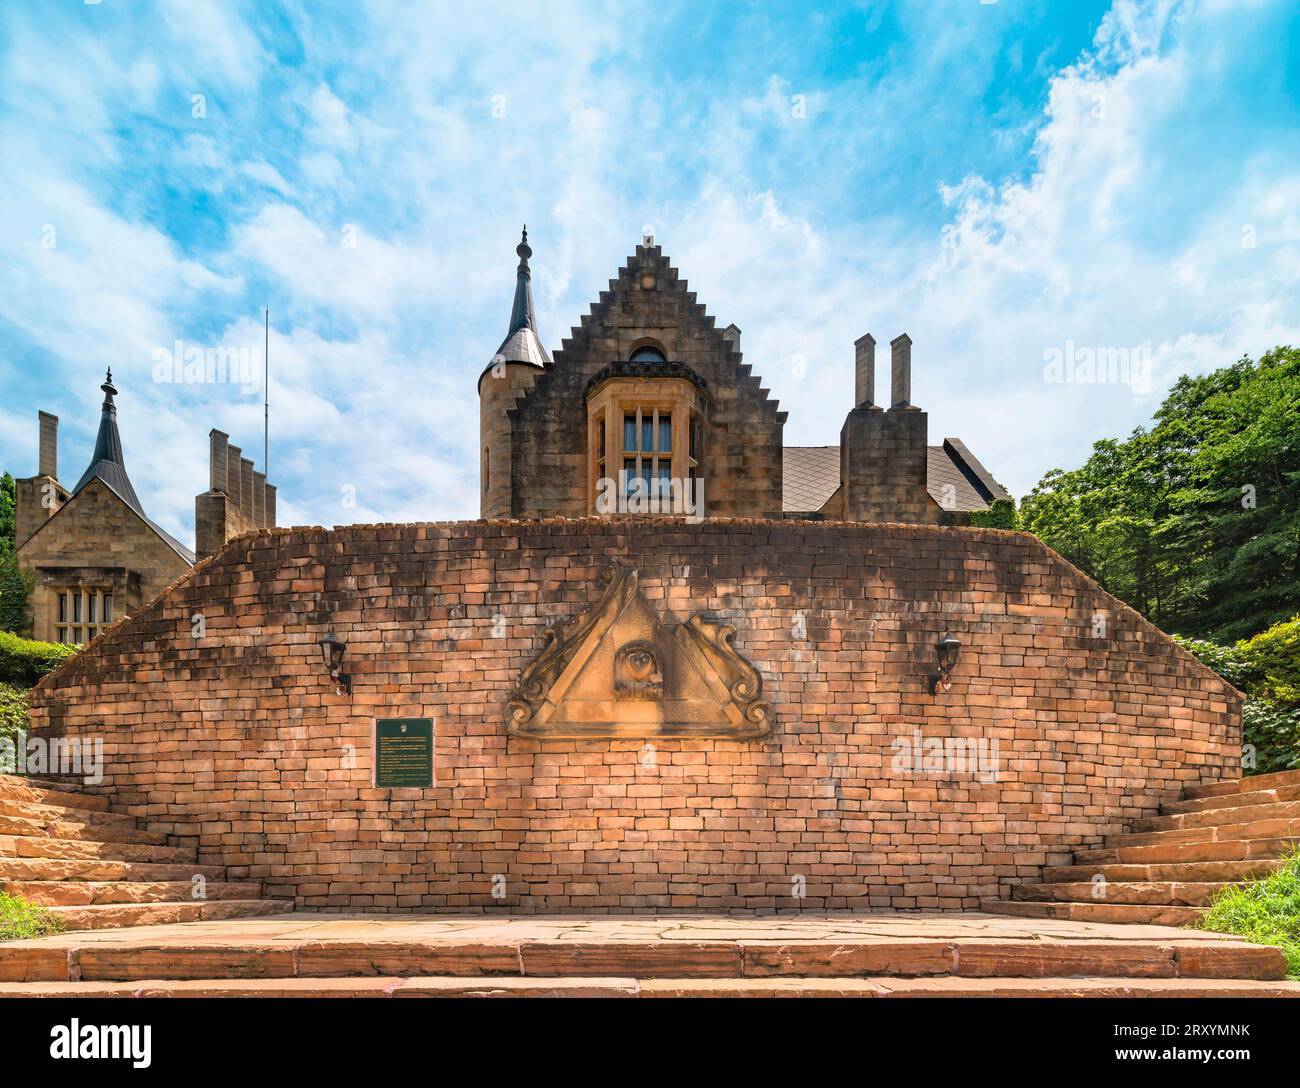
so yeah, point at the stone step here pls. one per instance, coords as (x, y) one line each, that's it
(85, 893)
(124, 915)
(1231, 850)
(450, 986)
(1240, 815)
(1242, 785)
(1287, 828)
(41, 846)
(1111, 913)
(25, 869)
(1181, 871)
(1147, 893)
(42, 792)
(43, 810)
(79, 829)
(1234, 800)
(144, 956)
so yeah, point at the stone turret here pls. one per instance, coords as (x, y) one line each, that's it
(512, 370)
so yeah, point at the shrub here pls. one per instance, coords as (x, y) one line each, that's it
(23, 661)
(1265, 911)
(1267, 669)
(13, 710)
(20, 920)
(15, 594)
(1275, 657)
(1000, 515)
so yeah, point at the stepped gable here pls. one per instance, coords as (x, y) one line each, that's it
(647, 302)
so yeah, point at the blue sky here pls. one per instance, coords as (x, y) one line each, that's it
(1000, 180)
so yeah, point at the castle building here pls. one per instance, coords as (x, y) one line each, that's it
(648, 407)
(95, 554)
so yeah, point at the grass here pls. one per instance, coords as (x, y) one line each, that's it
(1265, 911)
(20, 920)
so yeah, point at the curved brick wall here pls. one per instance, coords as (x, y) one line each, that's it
(234, 740)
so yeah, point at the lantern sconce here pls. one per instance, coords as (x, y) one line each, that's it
(332, 649)
(946, 652)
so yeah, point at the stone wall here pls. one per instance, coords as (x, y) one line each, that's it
(235, 741)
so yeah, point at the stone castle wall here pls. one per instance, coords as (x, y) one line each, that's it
(234, 740)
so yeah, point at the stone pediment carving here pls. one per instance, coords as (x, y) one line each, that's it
(616, 670)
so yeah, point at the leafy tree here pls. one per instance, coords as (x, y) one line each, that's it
(8, 523)
(1196, 521)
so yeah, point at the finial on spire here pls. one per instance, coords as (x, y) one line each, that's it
(523, 249)
(107, 387)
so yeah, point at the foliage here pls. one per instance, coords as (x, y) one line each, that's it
(15, 594)
(1267, 669)
(1000, 515)
(1264, 911)
(13, 710)
(23, 661)
(8, 523)
(20, 920)
(1195, 522)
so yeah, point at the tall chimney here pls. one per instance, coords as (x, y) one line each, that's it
(218, 472)
(246, 488)
(49, 446)
(233, 476)
(864, 368)
(901, 366)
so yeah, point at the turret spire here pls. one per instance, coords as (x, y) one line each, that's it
(107, 463)
(522, 344)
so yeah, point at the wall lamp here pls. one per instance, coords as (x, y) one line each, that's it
(332, 649)
(946, 652)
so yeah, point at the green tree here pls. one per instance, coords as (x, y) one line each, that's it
(1196, 521)
(8, 522)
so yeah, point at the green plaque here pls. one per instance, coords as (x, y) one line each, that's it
(404, 753)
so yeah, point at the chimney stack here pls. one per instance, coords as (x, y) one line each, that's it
(49, 446)
(218, 443)
(864, 363)
(901, 376)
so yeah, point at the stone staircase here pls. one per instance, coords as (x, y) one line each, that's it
(853, 955)
(97, 869)
(1167, 868)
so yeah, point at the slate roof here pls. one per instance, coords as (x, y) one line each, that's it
(812, 474)
(522, 344)
(108, 466)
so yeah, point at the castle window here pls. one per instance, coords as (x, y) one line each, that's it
(648, 355)
(82, 613)
(644, 442)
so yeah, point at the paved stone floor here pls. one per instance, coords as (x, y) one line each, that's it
(513, 929)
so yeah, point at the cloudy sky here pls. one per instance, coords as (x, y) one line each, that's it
(1011, 183)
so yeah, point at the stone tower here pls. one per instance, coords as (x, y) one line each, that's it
(512, 371)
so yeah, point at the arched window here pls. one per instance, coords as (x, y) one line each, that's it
(648, 354)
